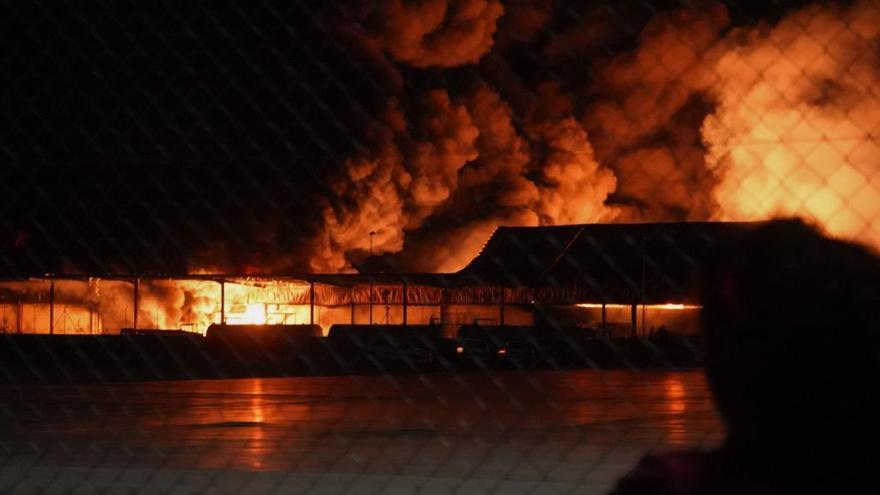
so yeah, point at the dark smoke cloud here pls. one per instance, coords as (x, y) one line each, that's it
(432, 33)
(464, 169)
(642, 134)
(647, 110)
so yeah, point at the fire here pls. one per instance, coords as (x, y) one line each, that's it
(675, 307)
(99, 305)
(254, 314)
(699, 120)
(261, 302)
(667, 306)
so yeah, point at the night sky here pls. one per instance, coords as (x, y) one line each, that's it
(139, 135)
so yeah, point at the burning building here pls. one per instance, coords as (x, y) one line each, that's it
(410, 133)
(615, 278)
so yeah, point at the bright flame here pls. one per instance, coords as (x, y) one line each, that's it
(195, 304)
(676, 307)
(667, 306)
(254, 314)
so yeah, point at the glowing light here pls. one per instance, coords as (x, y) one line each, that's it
(608, 306)
(502, 352)
(247, 314)
(667, 306)
(459, 350)
(675, 307)
(255, 314)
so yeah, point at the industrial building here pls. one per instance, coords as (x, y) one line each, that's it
(612, 278)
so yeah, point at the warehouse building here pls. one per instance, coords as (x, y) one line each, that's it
(611, 278)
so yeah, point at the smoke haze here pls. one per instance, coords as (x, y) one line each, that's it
(699, 120)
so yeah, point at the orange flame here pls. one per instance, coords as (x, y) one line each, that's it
(666, 306)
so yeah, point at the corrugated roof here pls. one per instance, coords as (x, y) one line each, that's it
(614, 263)
(611, 262)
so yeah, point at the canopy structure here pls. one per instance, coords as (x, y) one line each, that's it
(643, 263)
(520, 273)
(646, 263)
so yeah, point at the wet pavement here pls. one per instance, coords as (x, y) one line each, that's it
(504, 432)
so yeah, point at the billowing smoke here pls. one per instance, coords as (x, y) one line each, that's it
(410, 173)
(493, 190)
(692, 118)
(644, 121)
(466, 168)
(432, 33)
(540, 173)
(573, 186)
(696, 119)
(748, 123)
(796, 128)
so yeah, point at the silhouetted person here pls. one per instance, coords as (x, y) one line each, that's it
(791, 322)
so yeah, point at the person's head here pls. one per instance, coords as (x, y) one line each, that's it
(791, 321)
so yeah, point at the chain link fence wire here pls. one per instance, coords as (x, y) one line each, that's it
(448, 246)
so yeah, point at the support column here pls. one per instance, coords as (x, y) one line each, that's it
(634, 316)
(222, 302)
(137, 288)
(51, 306)
(351, 302)
(604, 321)
(311, 303)
(501, 308)
(445, 319)
(404, 304)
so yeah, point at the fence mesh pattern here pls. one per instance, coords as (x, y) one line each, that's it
(437, 246)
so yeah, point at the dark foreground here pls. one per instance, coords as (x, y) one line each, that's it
(119, 358)
(500, 432)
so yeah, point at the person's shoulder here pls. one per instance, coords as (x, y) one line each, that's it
(668, 474)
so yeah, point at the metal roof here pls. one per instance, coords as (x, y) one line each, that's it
(615, 263)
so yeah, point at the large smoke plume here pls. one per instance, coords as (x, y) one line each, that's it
(796, 126)
(465, 166)
(701, 120)
(645, 117)
(696, 119)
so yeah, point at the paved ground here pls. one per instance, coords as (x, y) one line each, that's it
(538, 432)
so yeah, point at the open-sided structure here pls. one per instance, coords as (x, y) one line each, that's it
(615, 277)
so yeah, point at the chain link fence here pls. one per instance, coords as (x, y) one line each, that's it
(446, 246)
